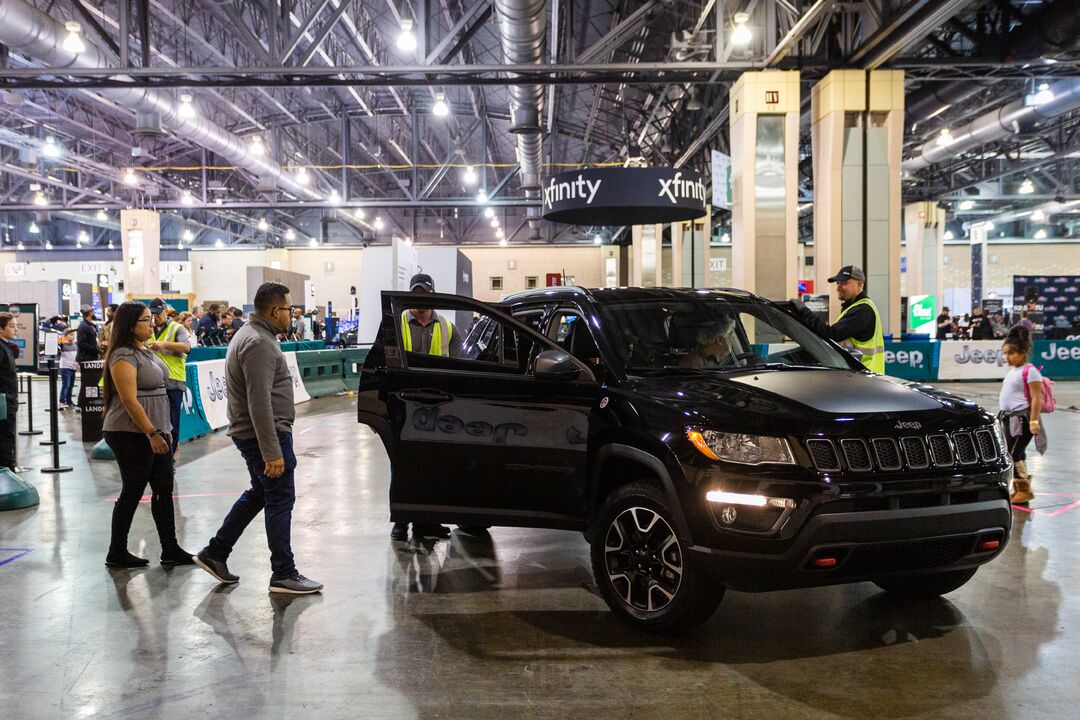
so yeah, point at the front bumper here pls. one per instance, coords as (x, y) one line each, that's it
(868, 545)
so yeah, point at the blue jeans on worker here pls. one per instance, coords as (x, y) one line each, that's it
(276, 495)
(176, 399)
(67, 384)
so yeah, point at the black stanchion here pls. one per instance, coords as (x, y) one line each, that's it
(30, 409)
(54, 424)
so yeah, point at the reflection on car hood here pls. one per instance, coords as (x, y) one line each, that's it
(776, 392)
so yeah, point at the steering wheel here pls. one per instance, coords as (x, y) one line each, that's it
(748, 356)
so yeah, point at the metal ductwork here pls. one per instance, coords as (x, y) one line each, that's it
(996, 124)
(28, 31)
(1051, 28)
(523, 29)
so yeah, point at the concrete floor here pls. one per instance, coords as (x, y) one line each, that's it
(478, 629)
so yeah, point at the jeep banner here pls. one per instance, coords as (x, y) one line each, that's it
(212, 392)
(624, 196)
(971, 360)
(911, 360)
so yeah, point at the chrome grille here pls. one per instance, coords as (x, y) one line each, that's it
(888, 453)
(987, 447)
(823, 454)
(966, 453)
(915, 453)
(941, 450)
(856, 454)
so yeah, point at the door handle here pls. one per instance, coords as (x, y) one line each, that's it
(427, 397)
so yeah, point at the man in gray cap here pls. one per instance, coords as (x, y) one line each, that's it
(425, 331)
(859, 324)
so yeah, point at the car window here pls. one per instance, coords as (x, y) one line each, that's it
(486, 345)
(572, 333)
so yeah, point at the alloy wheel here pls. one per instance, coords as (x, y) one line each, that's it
(644, 560)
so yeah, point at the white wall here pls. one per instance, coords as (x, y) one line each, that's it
(222, 274)
(331, 284)
(580, 262)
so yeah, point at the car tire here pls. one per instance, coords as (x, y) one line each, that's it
(641, 566)
(927, 585)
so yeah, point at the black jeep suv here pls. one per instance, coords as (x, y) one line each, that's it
(701, 440)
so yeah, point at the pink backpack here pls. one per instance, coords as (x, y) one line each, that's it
(1047, 390)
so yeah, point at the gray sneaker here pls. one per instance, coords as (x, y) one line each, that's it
(295, 585)
(217, 568)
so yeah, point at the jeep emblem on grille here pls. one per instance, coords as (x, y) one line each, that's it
(911, 425)
(728, 515)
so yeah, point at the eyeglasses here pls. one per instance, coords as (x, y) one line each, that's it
(286, 309)
(145, 320)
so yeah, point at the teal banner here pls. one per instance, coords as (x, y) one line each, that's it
(912, 360)
(1059, 359)
(192, 422)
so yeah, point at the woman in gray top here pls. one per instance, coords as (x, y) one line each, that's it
(136, 427)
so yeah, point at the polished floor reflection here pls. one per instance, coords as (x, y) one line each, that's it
(506, 627)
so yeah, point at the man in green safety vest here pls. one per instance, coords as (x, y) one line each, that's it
(172, 342)
(859, 324)
(426, 331)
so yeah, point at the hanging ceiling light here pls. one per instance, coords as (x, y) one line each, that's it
(1037, 215)
(378, 224)
(20, 246)
(406, 40)
(489, 213)
(408, 240)
(440, 108)
(111, 246)
(1027, 187)
(186, 198)
(51, 149)
(179, 244)
(256, 146)
(82, 238)
(302, 176)
(1040, 234)
(263, 225)
(313, 243)
(988, 226)
(33, 229)
(499, 233)
(73, 43)
(1043, 95)
(944, 138)
(188, 236)
(333, 198)
(40, 199)
(598, 239)
(967, 204)
(359, 213)
(502, 242)
(469, 177)
(218, 243)
(740, 34)
(482, 197)
(130, 178)
(494, 222)
(290, 234)
(102, 215)
(48, 245)
(186, 108)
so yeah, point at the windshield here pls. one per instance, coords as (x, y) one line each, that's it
(712, 333)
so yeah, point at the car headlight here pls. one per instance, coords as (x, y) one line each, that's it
(1003, 445)
(741, 448)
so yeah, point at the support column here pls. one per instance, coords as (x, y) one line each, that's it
(140, 238)
(924, 234)
(764, 120)
(646, 264)
(694, 244)
(857, 134)
(676, 255)
(977, 235)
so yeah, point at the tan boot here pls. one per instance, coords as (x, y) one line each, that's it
(1021, 494)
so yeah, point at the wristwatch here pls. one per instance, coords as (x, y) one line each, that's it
(157, 432)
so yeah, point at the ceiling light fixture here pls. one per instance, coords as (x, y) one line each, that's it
(598, 239)
(440, 108)
(73, 43)
(502, 242)
(256, 146)
(406, 40)
(130, 178)
(82, 238)
(1037, 215)
(482, 197)
(741, 35)
(1027, 187)
(302, 176)
(40, 200)
(494, 222)
(359, 213)
(313, 242)
(20, 246)
(218, 243)
(469, 177)
(186, 109)
(988, 226)
(945, 138)
(290, 234)
(378, 224)
(967, 204)
(1040, 234)
(263, 225)
(51, 149)
(949, 235)
(186, 198)
(499, 233)
(334, 198)
(33, 229)
(111, 246)
(48, 245)
(188, 236)
(489, 213)
(102, 215)
(1043, 95)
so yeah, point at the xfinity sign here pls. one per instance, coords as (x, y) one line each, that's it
(625, 196)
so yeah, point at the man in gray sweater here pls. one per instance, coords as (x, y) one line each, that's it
(261, 414)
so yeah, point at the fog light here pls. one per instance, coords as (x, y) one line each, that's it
(729, 498)
(989, 545)
(824, 562)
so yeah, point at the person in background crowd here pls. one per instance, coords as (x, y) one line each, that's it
(68, 366)
(106, 329)
(9, 385)
(944, 324)
(316, 327)
(1020, 404)
(964, 326)
(136, 426)
(296, 328)
(237, 318)
(997, 322)
(171, 342)
(981, 329)
(1025, 322)
(261, 414)
(209, 326)
(197, 314)
(185, 319)
(86, 338)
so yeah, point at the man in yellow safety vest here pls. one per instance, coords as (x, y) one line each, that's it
(426, 331)
(859, 325)
(172, 342)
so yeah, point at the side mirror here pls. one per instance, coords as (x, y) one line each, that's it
(556, 365)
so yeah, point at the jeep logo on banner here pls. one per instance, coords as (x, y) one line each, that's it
(625, 196)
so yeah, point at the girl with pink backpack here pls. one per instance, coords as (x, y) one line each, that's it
(1025, 396)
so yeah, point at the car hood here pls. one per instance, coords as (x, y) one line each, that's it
(786, 393)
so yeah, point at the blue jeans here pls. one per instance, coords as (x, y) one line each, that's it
(67, 378)
(276, 495)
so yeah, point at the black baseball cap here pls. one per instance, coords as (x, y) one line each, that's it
(157, 305)
(849, 272)
(422, 281)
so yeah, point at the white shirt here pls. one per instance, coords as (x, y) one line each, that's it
(1012, 396)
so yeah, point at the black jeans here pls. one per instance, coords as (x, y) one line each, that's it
(176, 399)
(139, 465)
(276, 495)
(7, 441)
(1018, 443)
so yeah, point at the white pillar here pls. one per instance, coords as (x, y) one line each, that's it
(140, 238)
